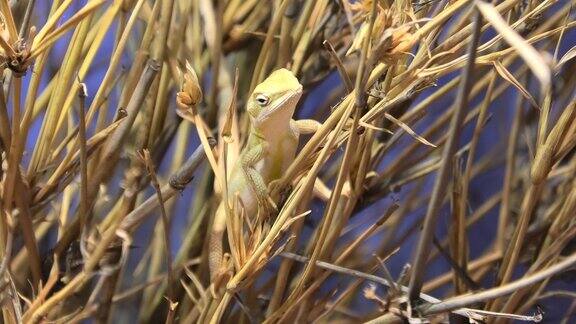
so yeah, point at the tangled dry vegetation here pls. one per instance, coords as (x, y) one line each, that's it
(107, 195)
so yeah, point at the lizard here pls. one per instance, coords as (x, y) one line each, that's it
(270, 149)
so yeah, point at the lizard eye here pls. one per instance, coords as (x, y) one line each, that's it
(262, 100)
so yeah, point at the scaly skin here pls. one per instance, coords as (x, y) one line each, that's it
(271, 147)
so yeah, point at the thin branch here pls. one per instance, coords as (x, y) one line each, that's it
(443, 177)
(461, 301)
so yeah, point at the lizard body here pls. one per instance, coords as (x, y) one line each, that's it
(269, 150)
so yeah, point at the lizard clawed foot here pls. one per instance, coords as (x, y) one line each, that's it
(266, 208)
(274, 185)
(221, 277)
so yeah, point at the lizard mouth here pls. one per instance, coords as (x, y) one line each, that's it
(282, 103)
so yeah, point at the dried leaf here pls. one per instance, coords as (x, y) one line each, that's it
(376, 128)
(228, 120)
(401, 40)
(533, 59)
(358, 40)
(506, 75)
(408, 130)
(191, 92)
(567, 57)
(384, 21)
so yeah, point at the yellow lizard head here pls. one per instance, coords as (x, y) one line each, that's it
(274, 98)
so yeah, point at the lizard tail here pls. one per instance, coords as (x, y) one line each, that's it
(215, 249)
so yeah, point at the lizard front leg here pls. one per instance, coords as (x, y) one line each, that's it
(310, 126)
(255, 180)
(306, 126)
